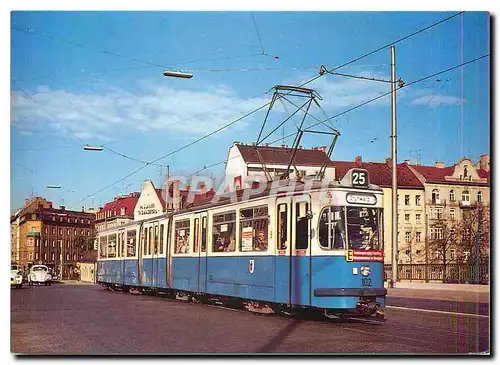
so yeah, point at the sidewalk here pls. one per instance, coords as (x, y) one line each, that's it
(440, 291)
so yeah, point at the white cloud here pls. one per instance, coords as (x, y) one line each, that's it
(111, 111)
(435, 100)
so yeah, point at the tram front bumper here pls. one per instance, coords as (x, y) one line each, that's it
(350, 292)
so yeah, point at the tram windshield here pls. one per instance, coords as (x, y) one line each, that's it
(360, 231)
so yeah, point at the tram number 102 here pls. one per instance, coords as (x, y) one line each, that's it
(366, 282)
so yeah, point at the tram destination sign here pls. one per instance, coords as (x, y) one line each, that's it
(364, 255)
(366, 199)
(359, 178)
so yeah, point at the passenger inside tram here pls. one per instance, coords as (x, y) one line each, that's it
(260, 241)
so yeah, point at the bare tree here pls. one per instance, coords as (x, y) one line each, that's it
(442, 239)
(473, 239)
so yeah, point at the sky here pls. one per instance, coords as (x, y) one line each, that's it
(96, 78)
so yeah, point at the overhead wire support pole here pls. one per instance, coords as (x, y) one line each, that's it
(394, 257)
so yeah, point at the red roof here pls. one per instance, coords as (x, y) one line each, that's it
(380, 173)
(128, 202)
(437, 174)
(281, 155)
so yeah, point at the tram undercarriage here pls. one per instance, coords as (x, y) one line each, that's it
(367, 309)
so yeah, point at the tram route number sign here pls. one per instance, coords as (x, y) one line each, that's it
(359, 178)
(362, 255)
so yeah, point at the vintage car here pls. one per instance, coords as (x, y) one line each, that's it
(16, 277)
(39, 274)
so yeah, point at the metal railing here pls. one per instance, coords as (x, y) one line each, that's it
(449, 273)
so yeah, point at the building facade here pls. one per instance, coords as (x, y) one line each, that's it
(54, 237)
(119, 211)
(249, 163)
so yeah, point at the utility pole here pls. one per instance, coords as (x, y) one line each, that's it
(394, 277)
(426, 248)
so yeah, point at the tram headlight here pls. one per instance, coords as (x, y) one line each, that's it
(365, 270)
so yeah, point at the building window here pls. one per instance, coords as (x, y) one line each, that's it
(452, 255)
(88, 232)
(182, 236)
(37, 243)
(407, 237)
(479, 197)
(53, 230)
(418, 218)
(253, 229)
(74, 257)
(53, 244)
(46, 230)
(75, 232)
(465, 196)
(36, 255)
(45, 257)
(67, 232)
(60, 231)
(224, 232)
(407, 200)
(407, 218)
(398, 236)
(418, 252)
(30, 256)
(53, 256)
(435, 196)
(418, 237)
(67, 257)
(452, 214)
(417, 200)
(45, 243)
(439, 213)
(452, 195)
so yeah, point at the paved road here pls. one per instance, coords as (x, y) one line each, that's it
(84, 319)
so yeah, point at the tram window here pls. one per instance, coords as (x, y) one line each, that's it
(282, 227)
(144, 241)
(332, 228)
(301, 226)
(102, 247)
(363, 228)
(182, 236)
(203, 234)
(195, 234)
(123, 244)
(131, 241)
(112, 245)
(224, 232)
(162, 227)
(253, 229)
(156, 241)
(150, 241)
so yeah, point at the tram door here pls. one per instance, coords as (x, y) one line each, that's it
(283, 248)
(122, 245)
(155, 250)
(300, 258)
(140, 245)
(200, 247)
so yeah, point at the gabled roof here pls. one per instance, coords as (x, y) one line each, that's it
(380, 173)
(159, 192)
(433, 174)
(128, 202)
(282, 155)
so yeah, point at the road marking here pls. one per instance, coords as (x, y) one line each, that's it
(438, 311)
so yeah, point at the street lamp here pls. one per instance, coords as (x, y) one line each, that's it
(183, 75)
(92, 148)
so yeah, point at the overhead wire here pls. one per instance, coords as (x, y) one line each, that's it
(301, 85)
(362, 104)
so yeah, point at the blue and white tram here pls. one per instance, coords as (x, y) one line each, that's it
(312, 247)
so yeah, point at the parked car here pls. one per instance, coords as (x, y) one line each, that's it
(39, 274)
(16, 277)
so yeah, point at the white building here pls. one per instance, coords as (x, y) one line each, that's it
(249, 163)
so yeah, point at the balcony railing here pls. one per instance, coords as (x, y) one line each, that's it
(449, 273)
(33, 234)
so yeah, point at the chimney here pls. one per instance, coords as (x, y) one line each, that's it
(407, 161)
(388, 161)
(283, 146)
(236, 142)
(484, 162)
(203, 188)
(439, 164)
(254, 144)
(83, 208)
(358, 160)
(322, 148)
(62, 207)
